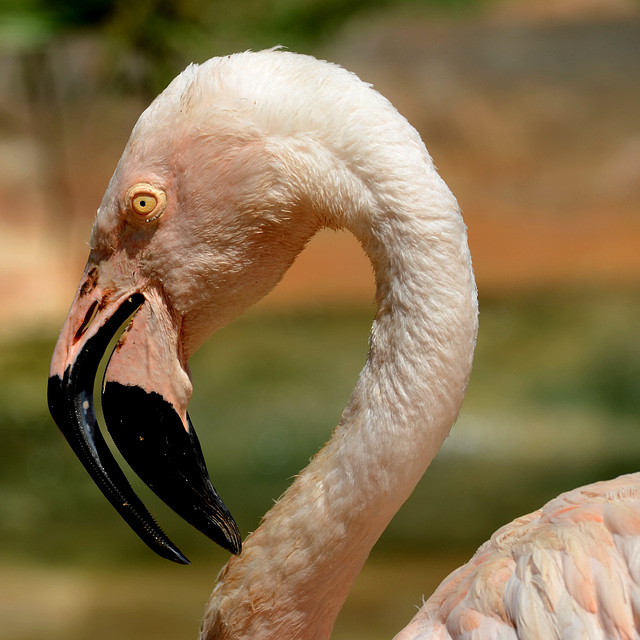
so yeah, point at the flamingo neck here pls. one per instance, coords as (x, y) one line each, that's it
(298, 567)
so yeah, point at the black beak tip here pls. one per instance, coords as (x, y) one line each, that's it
(152, 438)
(73, 413)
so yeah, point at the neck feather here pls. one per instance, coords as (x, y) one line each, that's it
(297, 568)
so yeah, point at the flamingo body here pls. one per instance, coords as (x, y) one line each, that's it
(569, 570)
(225, 178)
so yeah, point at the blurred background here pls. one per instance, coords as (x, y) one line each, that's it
(530, 109)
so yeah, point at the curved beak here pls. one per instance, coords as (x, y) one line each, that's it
(145, 394)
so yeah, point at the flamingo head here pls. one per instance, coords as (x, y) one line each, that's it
(196, 225)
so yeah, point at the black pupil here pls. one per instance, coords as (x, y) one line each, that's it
(143, 203)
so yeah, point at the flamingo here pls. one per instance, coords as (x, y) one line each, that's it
(225, 178)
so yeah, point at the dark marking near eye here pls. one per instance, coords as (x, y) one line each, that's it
(90, 282)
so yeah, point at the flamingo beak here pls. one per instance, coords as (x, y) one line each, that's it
(144, 406)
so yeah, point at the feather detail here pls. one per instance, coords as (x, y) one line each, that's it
(568, 571)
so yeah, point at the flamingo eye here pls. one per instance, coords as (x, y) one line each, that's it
(145, 203)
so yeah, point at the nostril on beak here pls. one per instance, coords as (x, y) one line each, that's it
(88, 319)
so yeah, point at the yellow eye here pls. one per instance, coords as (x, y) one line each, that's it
(145, 202)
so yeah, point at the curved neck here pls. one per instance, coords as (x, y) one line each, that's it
(297, 568)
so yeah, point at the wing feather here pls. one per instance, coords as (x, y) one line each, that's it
(570, 571)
